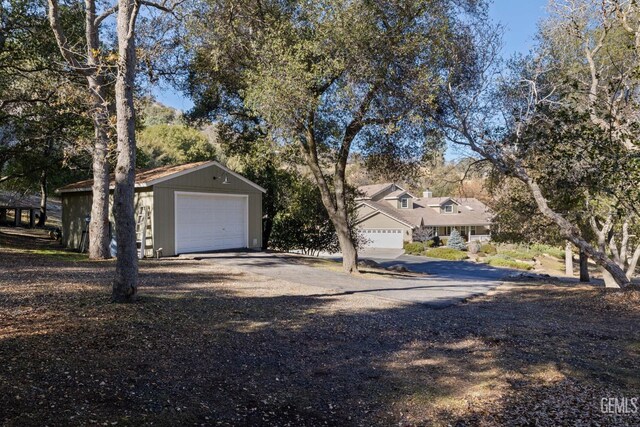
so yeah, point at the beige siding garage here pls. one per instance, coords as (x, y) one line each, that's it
(381, 221)
(202, 181)
(156, 189)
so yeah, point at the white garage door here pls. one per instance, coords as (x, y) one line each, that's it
(206, 222)
(383, 238)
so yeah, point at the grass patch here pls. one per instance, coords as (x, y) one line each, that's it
(529, 252)
(540, 249)
(446, 253)
(522, 254)
(59, 255)
(504, 261)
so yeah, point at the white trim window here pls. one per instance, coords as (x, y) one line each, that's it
(404, 203)
(448, 208)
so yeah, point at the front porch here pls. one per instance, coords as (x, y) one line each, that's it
(468, 232)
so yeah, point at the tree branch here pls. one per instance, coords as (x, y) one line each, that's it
(63, 45)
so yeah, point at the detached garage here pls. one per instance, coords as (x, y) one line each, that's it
(195, 207)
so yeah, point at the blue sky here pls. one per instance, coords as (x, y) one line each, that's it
(520, 18)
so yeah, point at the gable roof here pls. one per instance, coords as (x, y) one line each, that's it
(150, 177)
(370, 191)
(472, 212)
(385, 209)
(439, 201)
(399, 193)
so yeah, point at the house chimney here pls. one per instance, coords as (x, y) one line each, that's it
(427, 194)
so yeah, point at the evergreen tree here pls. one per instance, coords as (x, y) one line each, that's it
(456, 241)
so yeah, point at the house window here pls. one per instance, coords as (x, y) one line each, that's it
(448, 209)
(404, 203)
(472, 230)
(447, 231)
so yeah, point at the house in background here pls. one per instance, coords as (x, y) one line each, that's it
(389, 215)
(193, 207)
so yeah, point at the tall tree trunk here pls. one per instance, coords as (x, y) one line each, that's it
(584, 267)
(99, 225)
(125, 283)
(43, 198)
(633, 263)
(568, 260)
(267, 228)
(609, 280)
(93, 72)
(336, 208)
(348, 249)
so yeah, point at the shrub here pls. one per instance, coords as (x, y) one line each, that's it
(504, 261)
(414, 248)
(474, 247)
(422, 234)
(489, 249)
(443, 242)
(446, 253)
(430, 244)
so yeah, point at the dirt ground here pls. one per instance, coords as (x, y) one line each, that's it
(211, 345)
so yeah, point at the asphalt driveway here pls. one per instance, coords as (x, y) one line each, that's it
(447, 283)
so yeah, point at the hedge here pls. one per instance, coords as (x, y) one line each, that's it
(414, 248)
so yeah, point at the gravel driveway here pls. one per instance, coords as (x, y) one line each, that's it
(446, 284)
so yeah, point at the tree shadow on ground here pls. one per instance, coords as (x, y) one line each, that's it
(203, 347)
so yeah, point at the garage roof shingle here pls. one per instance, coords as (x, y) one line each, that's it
(146, 177)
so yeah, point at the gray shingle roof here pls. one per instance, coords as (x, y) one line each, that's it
(371, 190)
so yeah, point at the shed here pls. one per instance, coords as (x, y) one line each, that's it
(194, 207)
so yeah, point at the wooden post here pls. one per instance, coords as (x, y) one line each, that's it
(18, 217)
(32, 217)
(568, 260)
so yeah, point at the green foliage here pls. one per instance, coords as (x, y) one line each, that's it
(503, 261)
(154, 113)
(327, 76)
(303, 224)
(446, 253)
(456, 241)
(165, 144)
(488, 249)
(43, 114)
(414, 248)
(430, 244)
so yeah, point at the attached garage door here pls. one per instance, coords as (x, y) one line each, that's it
(383, 238)
(206, 222)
